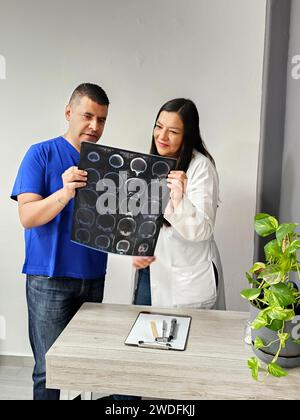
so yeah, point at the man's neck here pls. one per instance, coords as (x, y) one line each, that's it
(68, 137)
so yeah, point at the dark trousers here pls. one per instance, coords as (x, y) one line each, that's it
(143, 291)
(52, 302)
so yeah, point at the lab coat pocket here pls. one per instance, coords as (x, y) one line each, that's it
(194, 286)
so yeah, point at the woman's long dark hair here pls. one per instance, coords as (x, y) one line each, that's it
(192, 139)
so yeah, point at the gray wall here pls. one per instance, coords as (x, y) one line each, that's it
(290, 191)
(144, 53)
(272, 114)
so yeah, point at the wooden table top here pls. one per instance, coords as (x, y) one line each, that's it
(90, 355)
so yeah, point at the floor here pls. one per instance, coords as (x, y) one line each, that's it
(16, 384)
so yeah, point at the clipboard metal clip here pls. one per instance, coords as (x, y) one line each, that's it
(155, 345)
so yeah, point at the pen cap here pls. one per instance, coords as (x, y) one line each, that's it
(173, 323)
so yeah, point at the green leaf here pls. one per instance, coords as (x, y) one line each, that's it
(258, 343)
(284, 230)
(254, 365)
(265, 224)
(272, 274)
(270, 298)
(250, 279)
(281, 314)
(251, 294)
(260, 321)
(293, 246)
(295, 264)
(276, 370)
(286, 263)
(283, 294)
(275, 325)
(283, 337)
(272, 250)
(257, 267)
(297, 341)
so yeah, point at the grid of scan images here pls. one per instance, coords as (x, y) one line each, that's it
(120, 210)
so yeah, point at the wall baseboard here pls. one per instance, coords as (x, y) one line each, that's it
(19, 361)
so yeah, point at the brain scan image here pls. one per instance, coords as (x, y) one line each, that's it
(93, 157)
(123, 246)
(138, 165)
(87, 197)
(83, 236)
(160, 169)
(106, 222)
(147, 229)
(116, 161)
(102, 242)
(120, 209)
(85, 216)
(126, 226)
(143, 248)
(93, 175)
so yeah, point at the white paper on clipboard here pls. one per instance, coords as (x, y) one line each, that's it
(141, 330)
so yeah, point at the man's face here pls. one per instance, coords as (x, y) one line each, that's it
(86, 120)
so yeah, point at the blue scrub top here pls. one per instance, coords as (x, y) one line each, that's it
(48, 248)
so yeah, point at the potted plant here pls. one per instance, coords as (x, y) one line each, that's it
(274, 299)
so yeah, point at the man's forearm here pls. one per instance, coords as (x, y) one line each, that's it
(39, 212)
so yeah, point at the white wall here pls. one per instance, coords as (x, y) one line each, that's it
(143, 53)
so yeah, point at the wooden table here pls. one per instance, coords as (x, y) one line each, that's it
(90, 355)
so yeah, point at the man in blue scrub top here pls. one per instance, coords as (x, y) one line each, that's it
(61, 274)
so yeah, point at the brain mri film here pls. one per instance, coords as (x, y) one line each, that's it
(120, 210)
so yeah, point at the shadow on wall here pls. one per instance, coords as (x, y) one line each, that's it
(2, 328)
(2, 68)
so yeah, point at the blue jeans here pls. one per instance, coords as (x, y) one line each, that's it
(52, 302)
(143, 291)
(142, 297)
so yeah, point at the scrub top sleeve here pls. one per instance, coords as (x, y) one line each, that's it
(31, 174)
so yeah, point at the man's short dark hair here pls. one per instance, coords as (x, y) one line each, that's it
(92, 91)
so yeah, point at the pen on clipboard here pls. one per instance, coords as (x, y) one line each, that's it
(164, 328)
(154, 345)
(164, 338)
(154, 329)
(172, 329)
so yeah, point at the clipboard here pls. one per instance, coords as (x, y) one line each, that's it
(147, 331)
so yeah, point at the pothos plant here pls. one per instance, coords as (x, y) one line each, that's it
(271, 290)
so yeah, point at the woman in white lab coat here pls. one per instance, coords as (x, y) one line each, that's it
(186, 270)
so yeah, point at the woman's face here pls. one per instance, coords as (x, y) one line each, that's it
(168, 134)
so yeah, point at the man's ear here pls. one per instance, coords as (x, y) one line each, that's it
(68, 111)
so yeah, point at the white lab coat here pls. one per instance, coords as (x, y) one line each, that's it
(182, 274)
